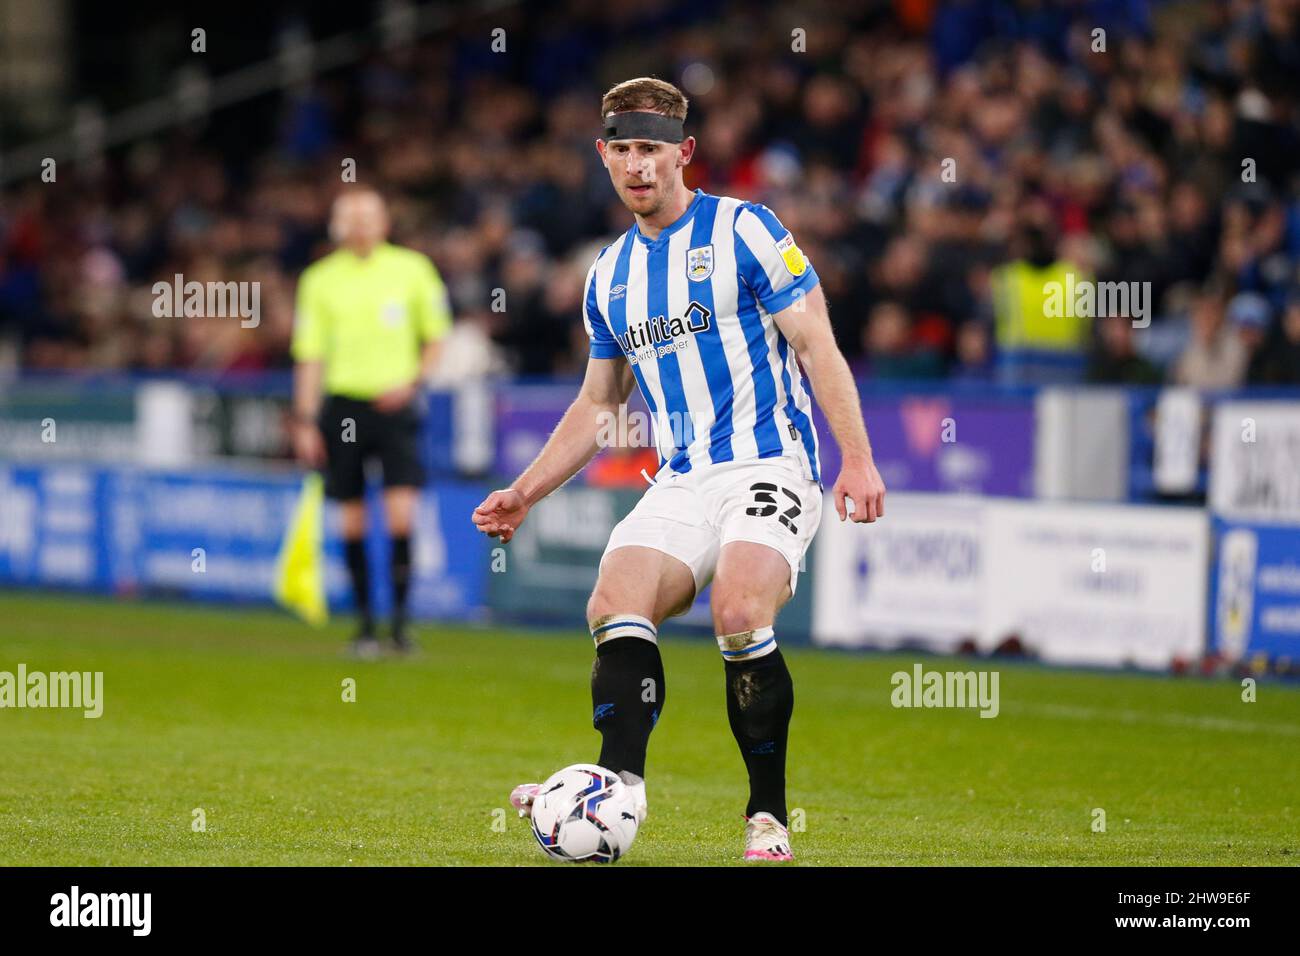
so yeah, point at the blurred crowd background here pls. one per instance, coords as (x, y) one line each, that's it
(1170, 159)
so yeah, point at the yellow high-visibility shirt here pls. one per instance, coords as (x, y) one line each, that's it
(368, 319)
(1034, 308)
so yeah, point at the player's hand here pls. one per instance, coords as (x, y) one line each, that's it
(860, 482)
(395, 399)
(308, 444)
(501, 514)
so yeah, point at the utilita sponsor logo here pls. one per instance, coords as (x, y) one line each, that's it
(657, 336)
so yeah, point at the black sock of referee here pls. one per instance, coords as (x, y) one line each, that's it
(627, 692)
(355, 554)
(760, 702)
(401, 574)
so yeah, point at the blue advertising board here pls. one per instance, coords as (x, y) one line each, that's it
(1255, 590)
(215, 535)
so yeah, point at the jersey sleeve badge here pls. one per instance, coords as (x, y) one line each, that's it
(792, 256)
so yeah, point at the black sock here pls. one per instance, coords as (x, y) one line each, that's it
(760, 702)
(627, 696)
(355, 553)
(401, 574)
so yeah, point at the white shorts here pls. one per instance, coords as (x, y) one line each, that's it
(691, 516)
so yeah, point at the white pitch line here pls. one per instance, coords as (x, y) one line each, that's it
(1140, 717)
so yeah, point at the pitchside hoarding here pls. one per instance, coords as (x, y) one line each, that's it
(1255, 609)
(977, 445)
(915, 578)
(1255, 503)
(1076, 584)
(215, 535)
(1098, 584)
(963, 444)
(51, 419)
(1255, 464)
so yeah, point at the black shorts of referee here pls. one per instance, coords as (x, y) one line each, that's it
(356, 432)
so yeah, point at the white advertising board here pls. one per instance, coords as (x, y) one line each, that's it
(915, 575)
(1255, 462)
(1097, 584)
(1076, 583)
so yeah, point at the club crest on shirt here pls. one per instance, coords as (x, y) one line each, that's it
(792, 255)
(699, 263)
(393, 313)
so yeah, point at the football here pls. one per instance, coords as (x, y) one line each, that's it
(584, 813)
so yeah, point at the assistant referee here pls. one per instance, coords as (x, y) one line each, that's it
(369, 317)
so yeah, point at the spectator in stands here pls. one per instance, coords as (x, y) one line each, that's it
(891, 352)
(1023, 289)
(1054, 151)
(1215, 357)
(468, 353)
(974, 361)
(1115, 359)
(1252, 317)
(1279, 364)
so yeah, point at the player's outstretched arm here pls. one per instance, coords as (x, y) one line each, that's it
(573, 443)
(807, 326)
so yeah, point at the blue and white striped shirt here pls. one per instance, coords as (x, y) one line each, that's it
(692, 312)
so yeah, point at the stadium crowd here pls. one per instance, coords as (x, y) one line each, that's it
(937, 163)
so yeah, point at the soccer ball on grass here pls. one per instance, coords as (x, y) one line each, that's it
(584, 813)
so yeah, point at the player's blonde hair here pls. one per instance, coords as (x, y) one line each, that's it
(645, 93)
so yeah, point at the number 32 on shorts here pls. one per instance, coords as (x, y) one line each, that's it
(766, 503)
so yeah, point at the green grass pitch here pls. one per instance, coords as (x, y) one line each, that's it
(240, 713)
